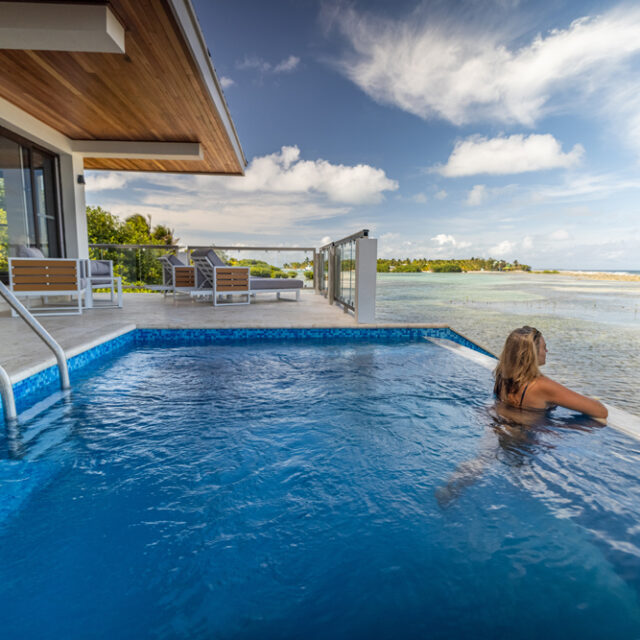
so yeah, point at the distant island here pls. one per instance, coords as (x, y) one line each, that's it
(395, 265)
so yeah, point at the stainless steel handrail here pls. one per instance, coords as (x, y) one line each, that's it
(8, 400)
(166, 247)
(44, 335)
(363, 233)
(243, 248)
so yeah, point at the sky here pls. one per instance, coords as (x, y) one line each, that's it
(494, 128)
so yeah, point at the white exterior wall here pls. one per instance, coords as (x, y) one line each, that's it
(366, 274)
(72, 199)
(74, 208)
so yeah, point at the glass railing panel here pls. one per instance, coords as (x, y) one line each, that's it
(137, 265)
(276, 262)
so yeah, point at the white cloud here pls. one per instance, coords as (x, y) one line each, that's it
(285, 172)
(287, 65)
(457, 72)
(105, 181)
(420, 198)
(506, 155)
(586, 187)
(280, 195)
(226, 82)
(560, 234)
(441, 195)
(254, 62)
(477, 195)
(443, 240)
(263, 66)
(225, 216)
(527, 243)
(503, 249)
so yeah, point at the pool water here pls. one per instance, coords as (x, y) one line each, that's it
(316, 490)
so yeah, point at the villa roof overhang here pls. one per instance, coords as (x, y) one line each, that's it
(162, 91)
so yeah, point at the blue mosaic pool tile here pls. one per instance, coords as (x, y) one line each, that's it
(158, 337)
(45, 382)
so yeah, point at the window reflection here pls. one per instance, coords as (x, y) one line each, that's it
(28, 211)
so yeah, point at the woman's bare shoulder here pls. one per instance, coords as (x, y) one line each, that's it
(548, 387)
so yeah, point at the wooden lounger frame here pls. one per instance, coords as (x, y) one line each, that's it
(230, 280)
(184, 279)
(38, 277)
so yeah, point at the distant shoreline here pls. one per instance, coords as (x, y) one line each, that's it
(601, 275)
(580, 275)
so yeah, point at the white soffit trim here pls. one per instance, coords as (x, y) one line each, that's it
(24, 124)
(137, 150)
(45, 26)
(186, 17)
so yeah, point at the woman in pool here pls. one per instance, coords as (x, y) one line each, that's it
(520, 384)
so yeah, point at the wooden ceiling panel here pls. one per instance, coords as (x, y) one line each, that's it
(155, 92)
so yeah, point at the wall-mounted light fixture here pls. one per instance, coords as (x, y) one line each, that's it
(81, 178)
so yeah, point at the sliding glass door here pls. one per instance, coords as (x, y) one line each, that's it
(29, 215)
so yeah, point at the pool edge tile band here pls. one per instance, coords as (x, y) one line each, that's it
(49, 378)
(46, 376)
(130, 336)
(166, 337)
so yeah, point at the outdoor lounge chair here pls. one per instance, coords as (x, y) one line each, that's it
(206, 260)
(96, 274)
(35, 277)
(177, 277)
(100, 276)
(229, 281)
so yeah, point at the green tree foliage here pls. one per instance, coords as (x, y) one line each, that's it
(260, 272)
(134, 266)
(4, 242)
(4, 233)
(262, 269)
(140, 266)
(448, 266)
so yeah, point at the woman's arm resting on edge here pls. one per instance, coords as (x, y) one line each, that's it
(557, 394)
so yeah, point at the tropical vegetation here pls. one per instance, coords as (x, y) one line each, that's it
(418, 265)
(139, 266)
(136, 267)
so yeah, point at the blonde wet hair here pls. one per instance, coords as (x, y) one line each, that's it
(518, 364)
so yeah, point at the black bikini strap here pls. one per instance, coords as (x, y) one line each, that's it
(526, 386)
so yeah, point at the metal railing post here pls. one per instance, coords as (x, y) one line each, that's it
(40, 331)
(332, 274)
(316, 271)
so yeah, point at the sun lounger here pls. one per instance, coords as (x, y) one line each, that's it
(44, 278)
(229, 281)
(177, 277)
(96, 274)
(206, 260)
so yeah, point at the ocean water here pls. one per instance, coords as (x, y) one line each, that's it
(592, 327)
(310, 490)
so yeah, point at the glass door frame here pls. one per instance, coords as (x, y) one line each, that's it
(30, 147)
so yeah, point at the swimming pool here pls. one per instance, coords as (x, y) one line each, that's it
(298, 488)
